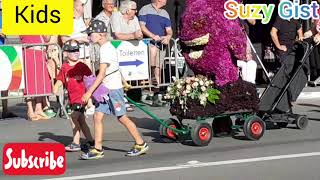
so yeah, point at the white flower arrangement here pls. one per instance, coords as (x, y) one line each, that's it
(197, 88)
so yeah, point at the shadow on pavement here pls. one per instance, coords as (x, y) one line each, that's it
(314, 119)
(146, 123)
(317, 111)
(308, 105)
(65, 140)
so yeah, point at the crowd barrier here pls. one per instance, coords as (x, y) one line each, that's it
(25, 73)
(135, 62)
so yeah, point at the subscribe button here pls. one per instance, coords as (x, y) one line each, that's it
(33, 159)
(37, 17)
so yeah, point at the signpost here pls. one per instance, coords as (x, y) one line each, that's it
(133, 59)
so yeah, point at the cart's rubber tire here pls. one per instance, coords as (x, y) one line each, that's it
(282, 124)
(302, 122)
(254, 128)
(168, 133)
(226, 122)
(201, 134)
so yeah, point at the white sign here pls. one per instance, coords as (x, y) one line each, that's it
(11, 68)
(133, 59)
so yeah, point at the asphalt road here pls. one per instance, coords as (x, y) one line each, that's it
(284, 154)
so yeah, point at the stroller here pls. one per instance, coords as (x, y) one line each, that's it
(285, 87)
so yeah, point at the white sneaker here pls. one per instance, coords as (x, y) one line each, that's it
(90, 110)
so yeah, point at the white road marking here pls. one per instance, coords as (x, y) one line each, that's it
(194, 164)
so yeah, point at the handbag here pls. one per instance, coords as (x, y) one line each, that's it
(101, 93)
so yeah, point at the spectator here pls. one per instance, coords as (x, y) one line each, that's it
(155, 23)
(105, 14)
(71, 75)
(125, 26)
(110, 76)
(53, 63)
(37, 76)
(78, 27)
(314, 31)
(248, 66)
(87, 11)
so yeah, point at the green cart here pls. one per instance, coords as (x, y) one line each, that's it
(201, 132)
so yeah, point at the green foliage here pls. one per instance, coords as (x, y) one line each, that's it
(213, 95)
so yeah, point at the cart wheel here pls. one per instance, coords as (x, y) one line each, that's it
(282, 124)
(201, 134)
(168, 133)
(302, 122)
(254, 128)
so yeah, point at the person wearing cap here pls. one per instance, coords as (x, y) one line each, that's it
(110, 76)
(71, 75)
(105, 15)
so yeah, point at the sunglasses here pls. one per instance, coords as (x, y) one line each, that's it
(73, 51)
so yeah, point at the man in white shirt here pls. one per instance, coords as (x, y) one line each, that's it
(105, 14)
(110, 76)
(125, 24)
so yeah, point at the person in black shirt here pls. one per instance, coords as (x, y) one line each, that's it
(284, 34)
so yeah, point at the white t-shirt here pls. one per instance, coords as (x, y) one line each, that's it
(106, 19)
(78, 27)
(108, 55)
(119, 25)
(88, 10)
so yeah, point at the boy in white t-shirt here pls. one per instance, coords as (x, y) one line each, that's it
(110, 76)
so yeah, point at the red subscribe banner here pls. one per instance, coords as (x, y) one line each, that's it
(33, 159)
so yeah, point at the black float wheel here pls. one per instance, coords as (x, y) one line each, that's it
(201, 134)
(222, 124)
(302, 122)
(254, 128)
(167, 132)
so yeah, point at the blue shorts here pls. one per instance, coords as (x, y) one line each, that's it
(115, 105)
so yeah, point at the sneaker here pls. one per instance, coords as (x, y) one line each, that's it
(90, 110)
(138, 150)
(73, 147)
(86, 146)
(92, 154)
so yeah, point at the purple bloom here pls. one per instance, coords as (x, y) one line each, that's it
(227, 41)
(100, 93)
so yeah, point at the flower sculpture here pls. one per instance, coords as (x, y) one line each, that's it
(211, 45)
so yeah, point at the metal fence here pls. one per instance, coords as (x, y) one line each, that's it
(32, 70)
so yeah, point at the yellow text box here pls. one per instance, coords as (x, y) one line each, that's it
(37, 17)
